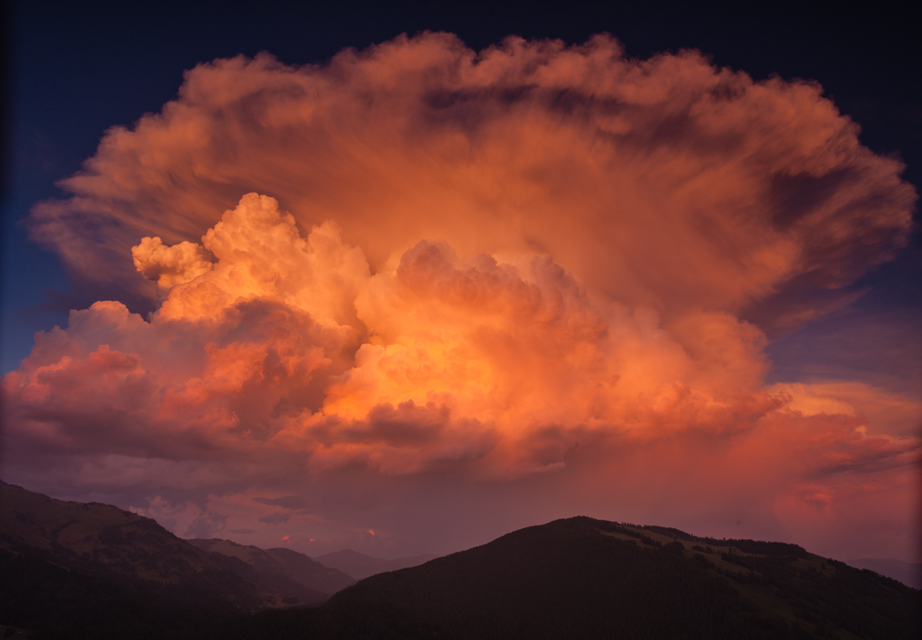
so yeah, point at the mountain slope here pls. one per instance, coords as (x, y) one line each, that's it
(275, 566)
(106, 542)
(582, 577)
(56, 602)
(909, 573)
(75, 570)
(360, 566)
(585, 578)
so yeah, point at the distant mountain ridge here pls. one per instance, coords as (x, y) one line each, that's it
(272, 564)
(87, 571)
(360, 566)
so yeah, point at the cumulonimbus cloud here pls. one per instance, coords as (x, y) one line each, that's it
(527, 261)
(665, 182)
(292, 342)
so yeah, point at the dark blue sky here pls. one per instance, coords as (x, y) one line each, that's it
(77, 69)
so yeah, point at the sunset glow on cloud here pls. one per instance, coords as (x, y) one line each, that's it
(421, 283)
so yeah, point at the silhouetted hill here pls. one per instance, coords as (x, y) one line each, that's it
(360, 566)
(92, 570)
(108, 543)
(277, 568)
(585, 578)
(72, 570)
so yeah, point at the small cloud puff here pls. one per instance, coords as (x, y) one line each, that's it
(169, 266)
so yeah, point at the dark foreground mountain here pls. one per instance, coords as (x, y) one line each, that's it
(92, 570)
(584, 578)
(72, 570)
(360, 566)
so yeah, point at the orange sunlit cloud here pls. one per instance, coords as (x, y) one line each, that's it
(545, 270)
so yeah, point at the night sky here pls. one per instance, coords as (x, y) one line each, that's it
(655, 276)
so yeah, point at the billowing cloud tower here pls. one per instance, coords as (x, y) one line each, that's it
(527, 282)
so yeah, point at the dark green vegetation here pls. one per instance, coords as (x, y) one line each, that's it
(91, 571)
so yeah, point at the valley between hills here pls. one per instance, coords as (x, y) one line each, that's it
(75, 570)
